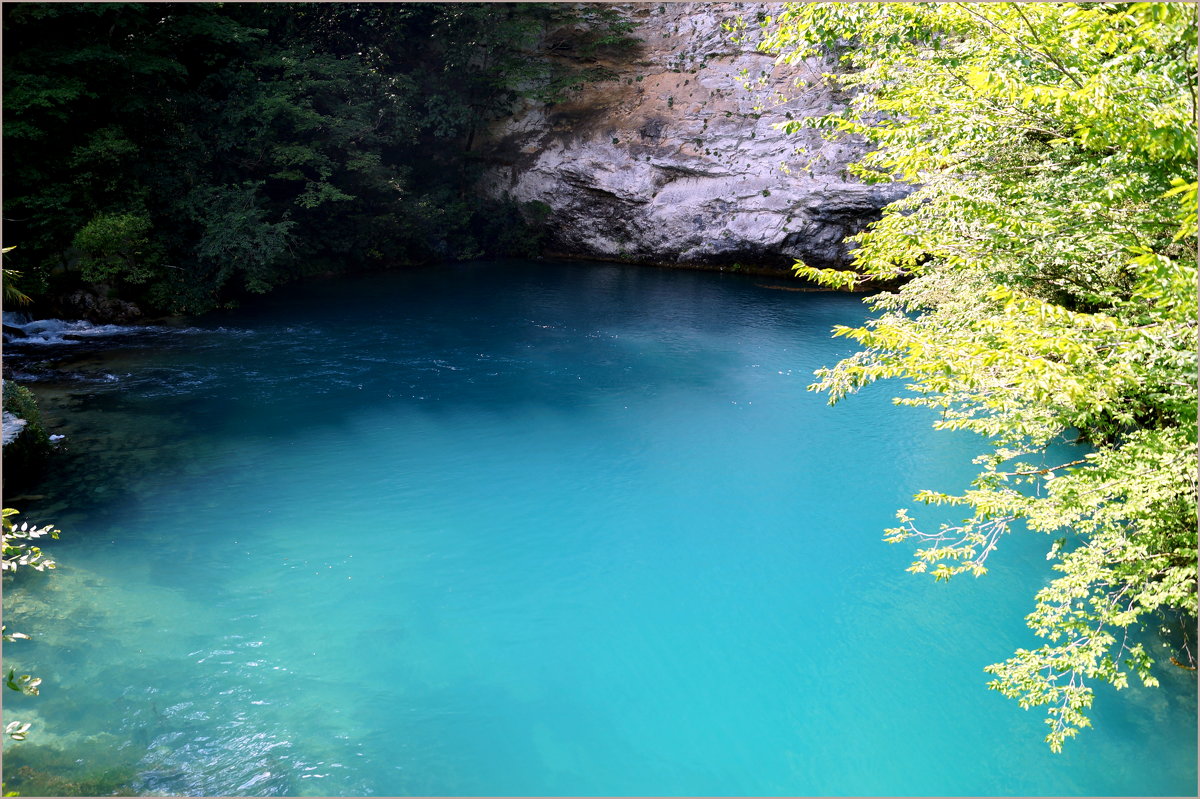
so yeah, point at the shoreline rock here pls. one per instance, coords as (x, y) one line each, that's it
(13, 427)
(96, 307)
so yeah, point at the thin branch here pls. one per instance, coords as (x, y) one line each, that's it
(1045, 49)
(1018, 42)
(1047, 470)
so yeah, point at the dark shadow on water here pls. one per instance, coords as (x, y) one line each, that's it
(502, 336)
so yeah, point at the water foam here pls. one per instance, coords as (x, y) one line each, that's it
(42, 332)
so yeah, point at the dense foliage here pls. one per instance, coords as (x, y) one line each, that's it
(1049, 254)
(183, 153)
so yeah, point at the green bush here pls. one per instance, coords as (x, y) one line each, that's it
(116, 247)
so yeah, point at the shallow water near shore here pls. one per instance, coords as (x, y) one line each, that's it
(522, 528)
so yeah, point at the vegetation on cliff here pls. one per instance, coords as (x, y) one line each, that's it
(1050, 257)
(181, 154)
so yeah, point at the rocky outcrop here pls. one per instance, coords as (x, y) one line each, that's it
(676, 161)
(96, 306)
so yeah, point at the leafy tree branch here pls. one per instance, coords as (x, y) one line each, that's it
(21, 553)
(1048, 250)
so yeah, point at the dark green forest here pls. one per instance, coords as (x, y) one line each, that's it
(183, 155)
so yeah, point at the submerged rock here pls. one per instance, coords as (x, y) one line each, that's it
(676, 162)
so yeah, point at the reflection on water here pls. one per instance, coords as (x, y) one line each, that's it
(519, 529)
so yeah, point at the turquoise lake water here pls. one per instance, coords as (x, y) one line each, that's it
(524, 528)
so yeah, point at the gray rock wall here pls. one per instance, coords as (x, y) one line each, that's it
(676, 162)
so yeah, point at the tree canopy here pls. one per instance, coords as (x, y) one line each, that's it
(1047, 255)
(185, 153)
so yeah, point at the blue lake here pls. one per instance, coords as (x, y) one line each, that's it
(524, 528)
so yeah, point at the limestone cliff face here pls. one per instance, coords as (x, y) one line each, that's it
(677, 162)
